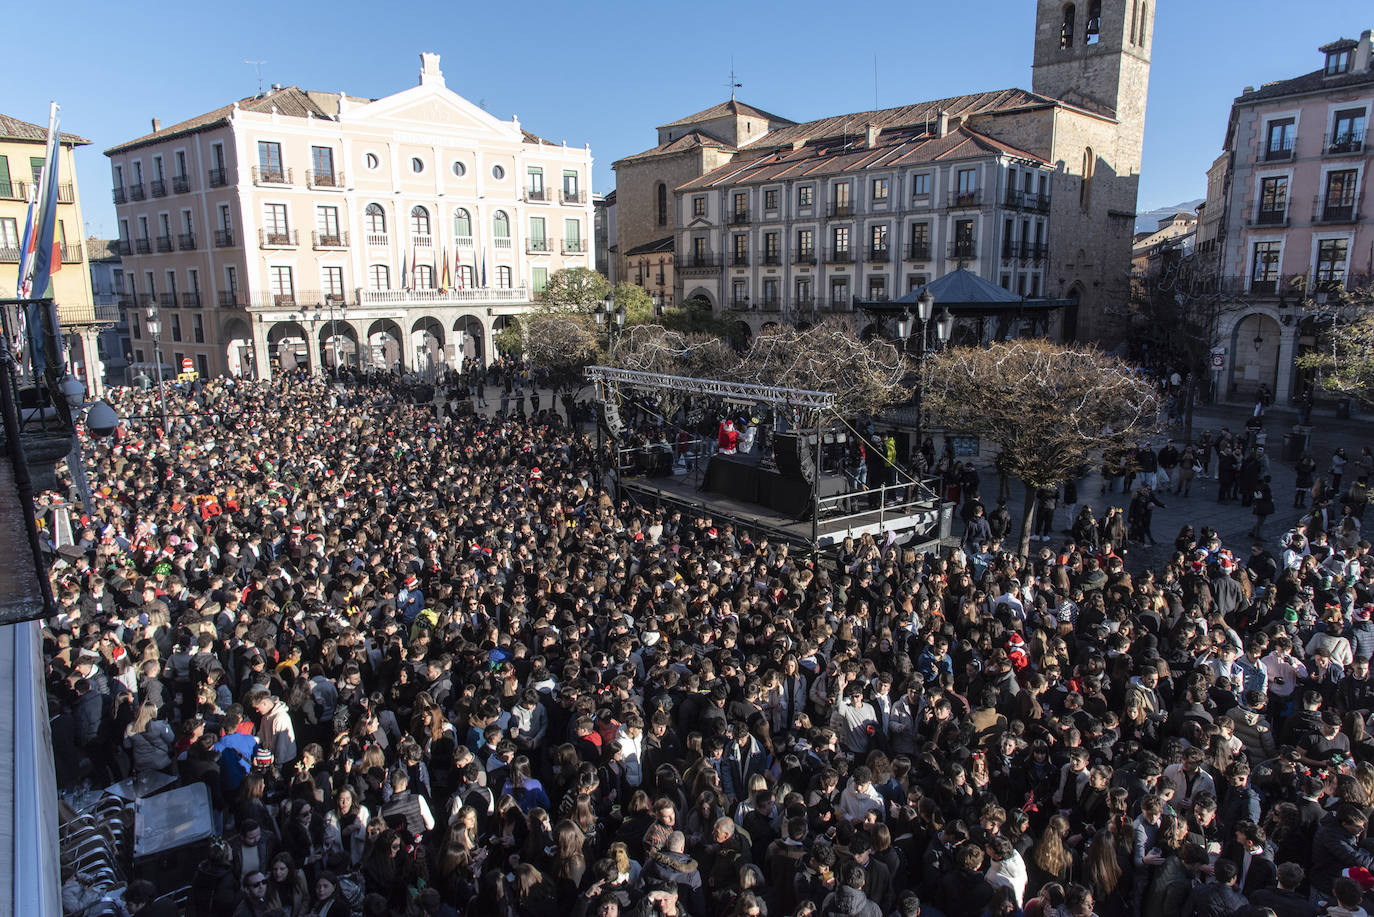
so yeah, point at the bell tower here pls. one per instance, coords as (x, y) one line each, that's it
(1095, 54)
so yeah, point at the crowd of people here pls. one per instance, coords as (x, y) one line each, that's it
(426, 663)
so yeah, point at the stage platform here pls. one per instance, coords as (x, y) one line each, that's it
(912, 520)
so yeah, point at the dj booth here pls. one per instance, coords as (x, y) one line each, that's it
(743, 478)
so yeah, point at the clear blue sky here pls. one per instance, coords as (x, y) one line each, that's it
(607, 73)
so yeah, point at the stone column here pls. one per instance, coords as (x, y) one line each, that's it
(262, 362)
(1288, 353)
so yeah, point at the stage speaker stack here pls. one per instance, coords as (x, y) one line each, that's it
(794, 457)
(613, 422)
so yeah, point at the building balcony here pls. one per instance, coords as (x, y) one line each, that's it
(1335, 211)
(328, 181)
(804, 256)
(224, 238)
(969, 198)
(574, 196)
(739, 305)
(229, 299)
(164, 244)
(120, 195)
(538, 195)
(1272, 217)
(771, 305)
(878, 254)
(442, 297)
(501, 243)
(281, 300)
(1028, 200)
(181, 184)
(1345, 142)
(144, 300)
(839, 256)
(143, 246)
(9, 255)
(839, 302)
(538, 246)
(1279, 153)
(158, 187)
(574, 247)
(187, 241)
(217, 178)
(698, 261)
(319, 240)
(122, 247)
(378, 240)
(738, 217)
(1264, 287)
(71, 253)
(918, 251)
(839, 210)
(803, 304)
(462, 242)
(286, 238)
(167, 300)
(963, 251)
(739, 259)
(110, 313)
(263, 176)
(136, 192)
(190, 300)
(771, 259)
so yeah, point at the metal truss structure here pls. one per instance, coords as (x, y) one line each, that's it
(805, 399)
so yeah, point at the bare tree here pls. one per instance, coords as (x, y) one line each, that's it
(1343, 360)
(1051, 409)
(864, 376)
(655, 349)
(561, 342)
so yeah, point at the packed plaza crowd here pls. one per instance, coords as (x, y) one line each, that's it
(425, 663)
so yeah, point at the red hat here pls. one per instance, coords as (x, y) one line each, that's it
(411, 581)
(1361, 877)
(1363, 612)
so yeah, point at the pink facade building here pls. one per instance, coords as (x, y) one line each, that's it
(1295, 220)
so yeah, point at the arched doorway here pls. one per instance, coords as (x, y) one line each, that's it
(1071, 313)
(384, 352)
(427, 344)
(238, 348)
(740, 335)
(338, 345)
(501, 323)
(470, 342)
(1255, 342)
(288, 346)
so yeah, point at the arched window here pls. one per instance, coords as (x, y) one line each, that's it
(1085, 191)
(462, 223)
(464, 275)
(424, 276)
(662, 204)
(375, 217)
(1066, 31)
(1092, 29)
(500, 226)
(379, 277)
(503, 278)
(1144, 18)
(419, 221)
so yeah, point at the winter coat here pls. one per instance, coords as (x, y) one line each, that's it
(151, 749)
(277, 734)
(849, 902)
(1334, 850)
(682, 870)
(1254, 733)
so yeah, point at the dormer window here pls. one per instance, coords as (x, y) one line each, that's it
(1338, 62)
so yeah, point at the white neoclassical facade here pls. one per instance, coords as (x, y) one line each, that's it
(307, 228)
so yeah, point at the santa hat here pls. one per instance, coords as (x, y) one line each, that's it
(1363, 612)
(1361, 877)
(411, 581)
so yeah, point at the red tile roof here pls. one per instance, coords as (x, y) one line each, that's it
(292, 101)
(723, 110)
(14, 129)
(691, 140)
(894, 149)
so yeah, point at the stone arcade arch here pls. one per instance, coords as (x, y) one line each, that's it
(384, 351)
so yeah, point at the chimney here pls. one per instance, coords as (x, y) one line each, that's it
(1362, 60)
(157, 125)
(871, 132)
(941, 123)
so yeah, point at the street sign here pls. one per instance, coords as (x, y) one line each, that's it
(186, 364)
(1218, 360)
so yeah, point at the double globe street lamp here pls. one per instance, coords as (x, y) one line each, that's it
(944, 328)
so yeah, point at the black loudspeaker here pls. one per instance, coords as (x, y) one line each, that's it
(614, 424)
(793, 454)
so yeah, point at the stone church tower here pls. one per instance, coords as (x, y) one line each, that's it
(1094, 56)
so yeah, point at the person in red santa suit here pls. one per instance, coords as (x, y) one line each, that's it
(727, 437)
